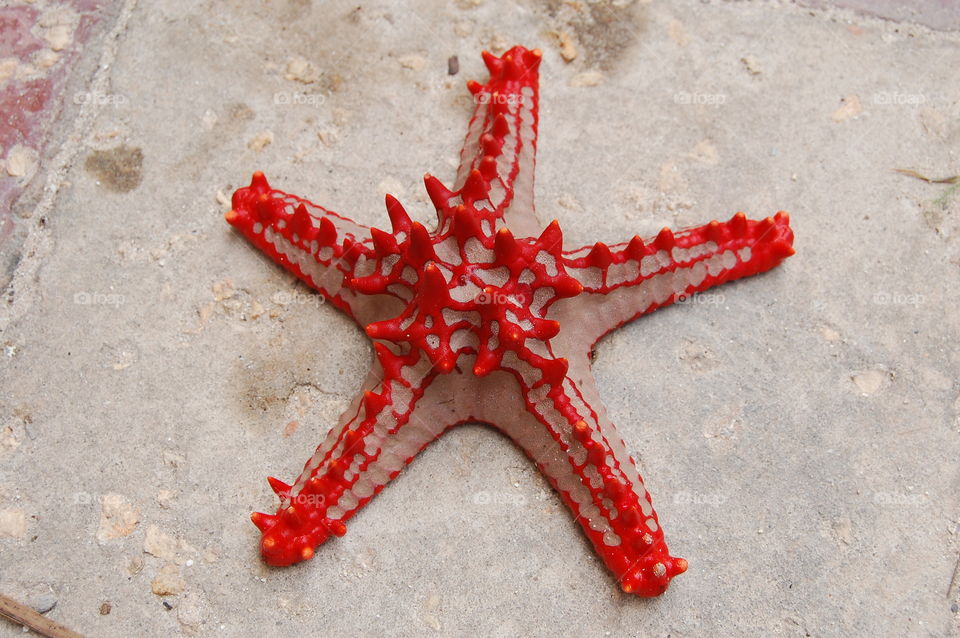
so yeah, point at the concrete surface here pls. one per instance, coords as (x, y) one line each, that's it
(798, 431)
(937, 14)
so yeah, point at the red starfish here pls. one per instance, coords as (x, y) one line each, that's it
(487, 320)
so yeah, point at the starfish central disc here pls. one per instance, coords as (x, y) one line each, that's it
(466, 292)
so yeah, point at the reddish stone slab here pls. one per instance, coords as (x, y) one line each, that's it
(38, 51)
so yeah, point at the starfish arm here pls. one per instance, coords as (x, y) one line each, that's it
(564, 429)
(374, 439)
(499, 153)
(624, 281)
(322, 248)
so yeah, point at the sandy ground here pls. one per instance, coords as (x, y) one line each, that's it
(799, 431)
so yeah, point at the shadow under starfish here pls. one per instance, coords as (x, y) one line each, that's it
(489, 319)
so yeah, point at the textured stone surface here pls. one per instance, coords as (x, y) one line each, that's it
(40, 46)
(937, 14)
(798, 431)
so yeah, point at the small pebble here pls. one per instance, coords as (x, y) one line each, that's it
(568, 50)
(105, 608)
(453, 65)
(412, 62)
(42, 599)
(44, 604)
(261, 141)
(168, 582)
(13, 523)
(849, 108)
(167, 605)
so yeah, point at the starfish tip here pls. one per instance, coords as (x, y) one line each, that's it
(263, 521)
(279, 488)
(259, 181)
